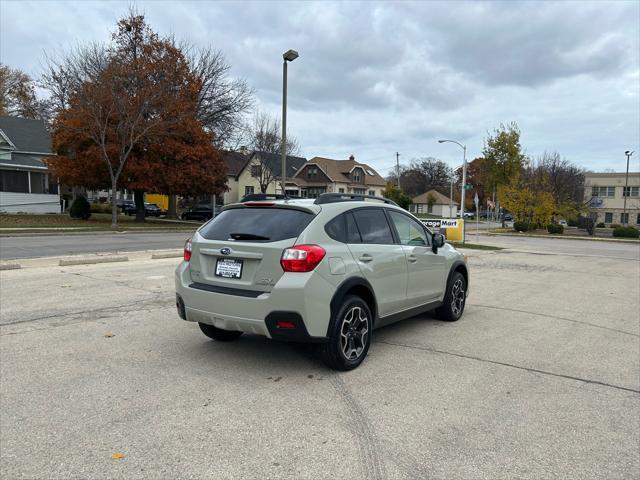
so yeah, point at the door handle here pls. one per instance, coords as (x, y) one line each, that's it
(365, 257)
(412, 258)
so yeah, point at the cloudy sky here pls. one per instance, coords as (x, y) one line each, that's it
(376, 78)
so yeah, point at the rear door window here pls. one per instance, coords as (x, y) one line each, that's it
(373, 226)
(257, 224)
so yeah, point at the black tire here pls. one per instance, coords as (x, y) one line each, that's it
(454, 300)
(348, 342)
(219, 334)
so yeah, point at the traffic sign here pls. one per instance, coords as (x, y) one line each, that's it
(476, 200)
(468, 186)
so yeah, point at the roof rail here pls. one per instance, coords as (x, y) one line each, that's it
(349, 197)
(256, 197)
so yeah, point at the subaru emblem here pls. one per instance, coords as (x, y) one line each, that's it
(225, 251)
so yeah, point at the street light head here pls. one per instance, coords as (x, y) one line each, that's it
(441, 141)
(629, 152)
(290, 55)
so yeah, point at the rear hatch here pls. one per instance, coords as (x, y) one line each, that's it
(241, 248)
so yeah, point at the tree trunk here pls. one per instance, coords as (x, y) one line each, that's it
(114, 207)
(172, 211)
(138, 196)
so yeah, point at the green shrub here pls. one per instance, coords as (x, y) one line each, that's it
(572, 222)
(520, 226)
(80, 209)
(615, 225)
(626, 232)
(555, 228)
(601, 225)
(100, 208)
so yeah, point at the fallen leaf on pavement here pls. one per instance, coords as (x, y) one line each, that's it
(117, 456)
(109, 335)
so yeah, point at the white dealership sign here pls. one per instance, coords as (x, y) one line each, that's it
(441, 223)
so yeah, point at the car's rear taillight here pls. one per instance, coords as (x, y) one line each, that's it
(187, 250)
(302, 258)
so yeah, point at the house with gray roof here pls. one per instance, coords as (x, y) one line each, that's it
(25, 182)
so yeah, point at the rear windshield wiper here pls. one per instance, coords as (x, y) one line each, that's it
(247, 236)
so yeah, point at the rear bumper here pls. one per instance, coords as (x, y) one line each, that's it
(291, 300)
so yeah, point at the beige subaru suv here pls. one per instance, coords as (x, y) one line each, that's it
(329, 271)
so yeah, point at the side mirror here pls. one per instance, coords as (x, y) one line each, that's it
(438, 241)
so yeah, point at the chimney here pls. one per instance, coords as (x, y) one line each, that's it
(352, 158)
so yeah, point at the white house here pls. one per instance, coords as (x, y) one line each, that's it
(25, 183)
(434, 203)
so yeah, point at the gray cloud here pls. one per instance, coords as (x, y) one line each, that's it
(376, 78)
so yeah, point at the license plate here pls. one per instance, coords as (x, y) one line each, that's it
(228, 268)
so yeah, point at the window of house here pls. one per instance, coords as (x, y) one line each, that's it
(638, 219)
(360, 191)
(372, 193)
(357, 175)
(341, 190)
(248, 190)
(37, 182)
(420, 206)
(608, 217)
(630, 191)
(429, 208)
(373, 226)
(624, 218)
(312, 172)
(14, 181)
(314, 192)
(603, 191)
(256, 170)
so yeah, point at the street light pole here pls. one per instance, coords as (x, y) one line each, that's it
(464, 176)
(628, 153)
(288, 56)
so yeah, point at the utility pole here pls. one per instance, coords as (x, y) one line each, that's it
(628, 153)
(398, 168)
(288, 56)
(451, 198)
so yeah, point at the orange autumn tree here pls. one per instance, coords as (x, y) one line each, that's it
(129, 119)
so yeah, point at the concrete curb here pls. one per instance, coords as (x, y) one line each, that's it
(158, 256)
(10, 266)
(91, 260)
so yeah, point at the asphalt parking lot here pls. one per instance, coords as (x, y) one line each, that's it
(539, 379)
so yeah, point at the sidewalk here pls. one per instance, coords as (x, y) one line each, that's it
(560, 237)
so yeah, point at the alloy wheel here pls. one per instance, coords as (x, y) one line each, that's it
(353, 333)
(457, 297)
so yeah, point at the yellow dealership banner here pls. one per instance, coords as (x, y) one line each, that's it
(161, 200)
(453, 228)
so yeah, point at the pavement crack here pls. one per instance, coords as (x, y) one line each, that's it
(364, 432)
(139, 303)
(510, 365)
(555, 317)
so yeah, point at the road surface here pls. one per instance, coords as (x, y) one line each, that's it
(12, 248)
(539, 379)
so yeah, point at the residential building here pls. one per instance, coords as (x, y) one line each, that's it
(434, 203)
(605, 194)
(263, 169)
(320, 175)
(234, 163)
(25, 182)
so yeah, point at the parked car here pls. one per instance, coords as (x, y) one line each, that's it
(124, 204)
(325, 271)
(467, 214)
(201, 211)
(507, 217)
(562, 222)
(150, 210)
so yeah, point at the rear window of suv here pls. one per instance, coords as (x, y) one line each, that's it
(257, 224)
